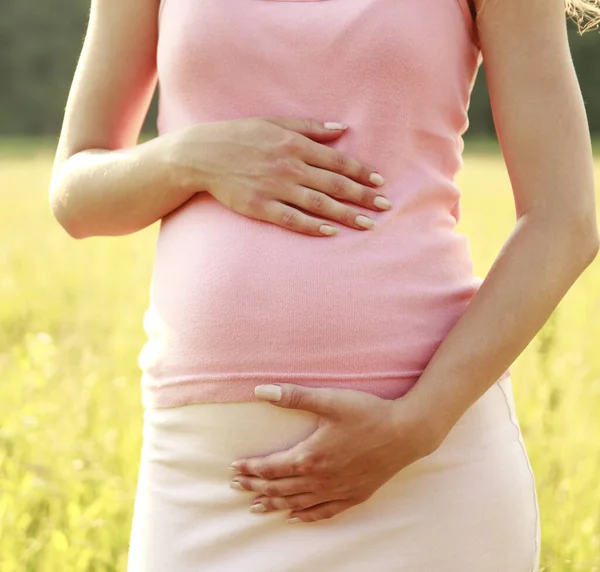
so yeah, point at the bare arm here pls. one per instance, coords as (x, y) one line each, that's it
(102, 182)
(544, 135)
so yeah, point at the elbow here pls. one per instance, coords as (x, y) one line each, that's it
(594, 246)
(72, 229)
(582, 231)
(62, 210)
(67, 198)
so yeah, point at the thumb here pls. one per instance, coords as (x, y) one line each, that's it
(309, 127)
(290, 396)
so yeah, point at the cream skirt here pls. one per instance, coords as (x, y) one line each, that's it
(469, 507)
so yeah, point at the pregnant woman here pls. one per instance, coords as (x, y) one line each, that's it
(314, 317)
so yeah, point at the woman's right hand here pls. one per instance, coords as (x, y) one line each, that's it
(269, 168)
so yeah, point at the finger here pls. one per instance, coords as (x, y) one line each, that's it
(341, 187)
(283, 464)
(323, 205)
(325, 157)
(277, 487)
(323, 511)
(323, 401)
(293, 502)
(292, 219)
(309, 127)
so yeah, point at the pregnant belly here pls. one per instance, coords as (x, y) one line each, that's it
(237, 298)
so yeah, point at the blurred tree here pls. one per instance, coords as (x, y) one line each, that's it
(40, 43)
(39, 46)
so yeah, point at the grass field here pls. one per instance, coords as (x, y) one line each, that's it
(70, 432)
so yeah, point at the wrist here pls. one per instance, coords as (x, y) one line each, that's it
(429, 428)
(167, 153)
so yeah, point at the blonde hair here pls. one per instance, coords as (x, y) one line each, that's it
(585, 13)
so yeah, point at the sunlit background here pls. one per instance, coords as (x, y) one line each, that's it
(71, 328)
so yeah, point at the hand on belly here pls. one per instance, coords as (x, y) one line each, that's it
(276, 170)
(360, 443)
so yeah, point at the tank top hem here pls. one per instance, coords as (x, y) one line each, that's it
(227, 389)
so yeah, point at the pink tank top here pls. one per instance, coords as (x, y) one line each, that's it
(237, 302)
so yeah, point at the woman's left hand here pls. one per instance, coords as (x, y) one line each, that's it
(360, 443)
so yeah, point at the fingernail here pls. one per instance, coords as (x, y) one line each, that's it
(382, 202)
(328, 230)
(365, 222)
(293, 520)
(376, 179)
(237, 486)
(258, 507)
(233, 471)
(270, 392)
(335, 126)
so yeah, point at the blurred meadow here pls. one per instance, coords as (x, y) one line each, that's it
(70, 415)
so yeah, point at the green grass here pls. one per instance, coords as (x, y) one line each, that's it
(70, 430)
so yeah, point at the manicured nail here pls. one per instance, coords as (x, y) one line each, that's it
(382, 202)
(365, 222)
(335, 126)
(293, 520)
(237, 486)
(270, 392)
(328, 230)
(233, 471)
(376, 179)
(258, 507)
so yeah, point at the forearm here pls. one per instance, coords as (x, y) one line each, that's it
(539, 262)
(98, 192)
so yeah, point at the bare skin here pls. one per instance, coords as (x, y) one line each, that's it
(103, 183)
